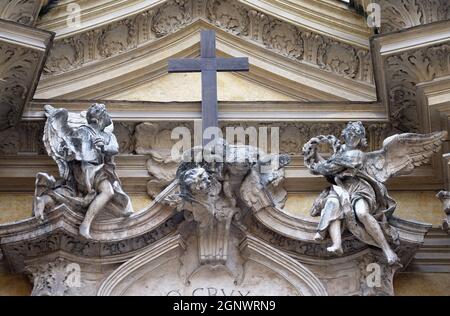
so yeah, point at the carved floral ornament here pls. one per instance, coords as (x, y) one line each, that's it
(402, 14)
(288, 40)
(404, 71)
(20, 11)
(17, 63)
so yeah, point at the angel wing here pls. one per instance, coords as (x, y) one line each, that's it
(58, 128)
(401, 153)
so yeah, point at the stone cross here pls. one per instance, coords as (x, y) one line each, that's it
(208, 64)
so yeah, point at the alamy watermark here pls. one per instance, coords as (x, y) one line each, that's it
(259, 142)
(373, 11)
(373, 279)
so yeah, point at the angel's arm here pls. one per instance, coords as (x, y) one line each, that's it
(112, 147)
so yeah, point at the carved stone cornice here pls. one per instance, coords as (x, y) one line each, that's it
(434, 255)
(143, 140)
(22, 54)
(404, 61)
(115, 240)
(230, 111)
(20, 11)
(403, 14)
(399, 15)
(305, 47)
(327, 17)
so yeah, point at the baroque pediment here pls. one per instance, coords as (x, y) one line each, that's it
(322, 59)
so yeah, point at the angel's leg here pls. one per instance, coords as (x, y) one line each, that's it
(40, 202)
(106, 192)
(374, 230)
(335, 234)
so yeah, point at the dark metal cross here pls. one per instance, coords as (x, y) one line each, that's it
(208, 64)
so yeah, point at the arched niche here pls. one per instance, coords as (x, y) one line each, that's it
(168, 268)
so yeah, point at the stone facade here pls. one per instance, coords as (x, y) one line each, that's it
(313, 68)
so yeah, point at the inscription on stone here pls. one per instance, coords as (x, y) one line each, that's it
(211, 291)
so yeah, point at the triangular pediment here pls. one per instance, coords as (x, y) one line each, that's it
(278, 74)
(182, 87)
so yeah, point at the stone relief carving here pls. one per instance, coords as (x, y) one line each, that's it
(294, 135)
(213, 191)
(117, 37)
(65, 55)
(15, 80)
(154, 139)
(172, 16)
(20, 11)
(52, 278)
(124, 133)
(25, 137)
(358, 197)
(10, 141)
(405, 71)
(283, 38)
(444, 197)
(338, 58)
(402, 14)
(233, 17)
(83, 147)
(228, 15)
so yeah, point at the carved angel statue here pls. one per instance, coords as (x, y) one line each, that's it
(357, 198)
(217, 188)
(83, 146)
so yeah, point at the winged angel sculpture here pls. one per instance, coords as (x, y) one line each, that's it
(83, 146)
(216, 188)
(357, 198)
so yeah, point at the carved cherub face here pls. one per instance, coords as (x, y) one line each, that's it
(197, 180)
(355, 135)
(97, 115)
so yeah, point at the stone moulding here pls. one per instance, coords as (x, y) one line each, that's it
(158, 237)
(150, 60)
(403, 61)
(20, 11)
(23, 51)
(287, 39)
(168, 250)
(298, 230)
(32, 237)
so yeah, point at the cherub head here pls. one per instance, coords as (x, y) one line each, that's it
(355, 135)
(196, 181)
(98, 116)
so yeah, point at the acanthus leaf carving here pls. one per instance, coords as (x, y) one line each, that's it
(15, 80)
(65, 55)
(172, 16)
(228, 15)
(51, 278)
(338, 58)
(231, 16)
(117, 37)
(402, 14)
(283, 38)
(404, 72)
(20, 11)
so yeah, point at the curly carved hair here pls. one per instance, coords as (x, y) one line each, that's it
(358, 129)
(95, 111)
